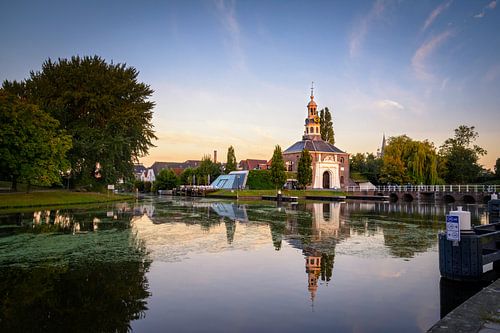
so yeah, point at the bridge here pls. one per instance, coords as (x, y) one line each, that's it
(468, 194)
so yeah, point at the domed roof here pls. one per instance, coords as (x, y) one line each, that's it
(312, 102)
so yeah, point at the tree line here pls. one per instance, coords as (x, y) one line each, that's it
(408, 161)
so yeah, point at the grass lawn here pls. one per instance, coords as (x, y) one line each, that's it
(291, 193)
(55, 197)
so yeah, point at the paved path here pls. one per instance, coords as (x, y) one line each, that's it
(480, 313)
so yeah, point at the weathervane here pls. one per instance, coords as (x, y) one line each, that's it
(312, 88)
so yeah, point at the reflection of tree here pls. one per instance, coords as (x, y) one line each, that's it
(277, 231)
(101, 296)
(326, 266)
(230, 230)
(404, 241)
(407, 228)
(66, 221)
(54, 279)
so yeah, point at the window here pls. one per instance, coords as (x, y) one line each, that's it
(317, 129)
(341, 160)
(307, 129)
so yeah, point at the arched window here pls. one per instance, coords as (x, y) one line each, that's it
(341, 160)
(317, 129)
(307, 130)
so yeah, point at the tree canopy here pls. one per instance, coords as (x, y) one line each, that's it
(231, 160)
(278, 170)
(166, 180)
(32, 147)
(326, 126)
(102, 106)
(304, 169)
(406, 160)
(207, 171)
(460, 156)
(367, 166)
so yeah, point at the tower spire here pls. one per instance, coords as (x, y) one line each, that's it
(312, 124)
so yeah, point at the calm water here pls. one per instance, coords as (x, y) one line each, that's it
(201, 265)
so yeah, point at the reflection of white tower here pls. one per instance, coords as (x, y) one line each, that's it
(326, 219)
(313, 270)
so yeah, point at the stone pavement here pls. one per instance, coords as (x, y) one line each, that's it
(479, 314)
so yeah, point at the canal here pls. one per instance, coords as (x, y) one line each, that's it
(200, 265)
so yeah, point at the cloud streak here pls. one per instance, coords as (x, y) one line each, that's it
(226, 11)
(388, 104)
(419, 60)
(435, 13)
(492, 5)
(358, 35)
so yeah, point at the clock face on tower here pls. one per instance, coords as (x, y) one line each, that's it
(316, 119)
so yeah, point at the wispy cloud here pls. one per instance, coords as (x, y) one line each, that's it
(492, 73)
(435, 13)
(227, 14)
(492, 5)
(359, 34)
(389, 104)
(418, 61)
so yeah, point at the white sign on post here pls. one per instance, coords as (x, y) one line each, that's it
(111, 187)
(452, 228)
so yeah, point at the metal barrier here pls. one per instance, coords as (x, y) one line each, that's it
(467, 188)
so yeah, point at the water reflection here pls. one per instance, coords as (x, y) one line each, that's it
(72, 270)
(220, 260)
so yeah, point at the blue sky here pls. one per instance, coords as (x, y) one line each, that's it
(239, 72)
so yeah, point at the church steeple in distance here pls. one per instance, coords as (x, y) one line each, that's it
(312, 123)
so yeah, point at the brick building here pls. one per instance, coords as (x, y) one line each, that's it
(330, 165)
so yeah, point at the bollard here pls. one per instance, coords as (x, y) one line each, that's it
(463, 217)
(464, 251)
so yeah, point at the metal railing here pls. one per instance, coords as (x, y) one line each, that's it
(428, 188)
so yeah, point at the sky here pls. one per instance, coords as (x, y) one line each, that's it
(239, 72)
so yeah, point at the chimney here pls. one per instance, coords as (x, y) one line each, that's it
(215, 156)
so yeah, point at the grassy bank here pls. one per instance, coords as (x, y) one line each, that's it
(55, 198)
(260, 193)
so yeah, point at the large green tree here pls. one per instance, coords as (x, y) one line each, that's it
(304, 169)
(104, 108)
(367, 166)
(460, 156)
(278, 170)
(32, 147)
(207, 171)
(231, 160)
(407, 160)
(166, 180)
(326, 126)
(186, 177)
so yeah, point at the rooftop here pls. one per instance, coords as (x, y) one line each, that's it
(312, 145)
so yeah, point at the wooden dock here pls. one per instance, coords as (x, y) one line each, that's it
(283, 198)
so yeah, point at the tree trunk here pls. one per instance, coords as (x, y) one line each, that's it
(13, 187)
